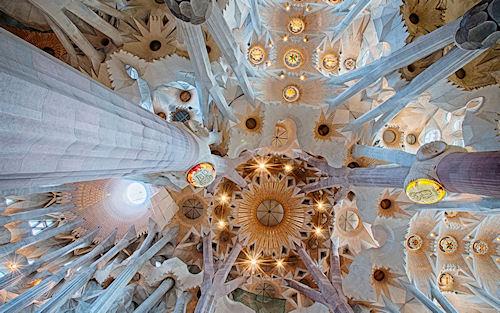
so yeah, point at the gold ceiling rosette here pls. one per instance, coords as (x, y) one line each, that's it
(325, 128)
(154, 41)
(480, 72)
(422, 17)
(193, 211)
(271, 214)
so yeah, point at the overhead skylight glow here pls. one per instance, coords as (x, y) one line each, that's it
(136, 193)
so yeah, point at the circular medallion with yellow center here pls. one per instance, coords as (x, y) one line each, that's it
(293, 59)
(330, 62)
(291, 93)
(296, 25)
(350, 64)
(256, 55)
(425, 191)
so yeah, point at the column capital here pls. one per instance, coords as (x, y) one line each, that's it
(422, 184)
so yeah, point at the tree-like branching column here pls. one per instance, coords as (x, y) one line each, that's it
(214, 283)
(330, 290)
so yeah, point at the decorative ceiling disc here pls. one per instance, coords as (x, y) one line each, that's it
(448, 244)
(296, 25)
(256, 55)
(425, 191)
(291, 93)
(349, 64)
(201, 175)
(480, 247)
(414, 242)
(330, 62)
(348, 221)
(270, 212)
(293, 59)
(446, 282)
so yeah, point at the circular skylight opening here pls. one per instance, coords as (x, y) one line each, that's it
(136, 193)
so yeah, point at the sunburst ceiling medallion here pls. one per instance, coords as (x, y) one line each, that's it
(293, 59)
(291, 93)
(271, 215)
(330, 62)
(296, 25)
(256, 55)
(349, 64)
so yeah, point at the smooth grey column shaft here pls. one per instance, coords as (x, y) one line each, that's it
(58, 126)
(34, 213)
(423, 298)
(180, 304)
(106, 300)
(384, 154)
(13, 277)
(471, 172)
(442, 300)
(155, 297)
(43, 235)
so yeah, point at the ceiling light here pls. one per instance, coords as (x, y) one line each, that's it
(223, 198)
(318, 231)
(12, 266)
(320, 205)
(221, 224)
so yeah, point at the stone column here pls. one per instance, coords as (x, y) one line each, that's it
(58, 126)
(35, 213)
(42, 236)
(442, 300)
(422, 297)
(105, 301)
(182, 301)
(156, 296)
(453, 169)
(380, 176)
(471, 172)
(387, 155)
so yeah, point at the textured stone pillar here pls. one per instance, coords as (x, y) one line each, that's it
(58, 126)
(454, 170)
(471, 172)
(340, 28)
(25, 299)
